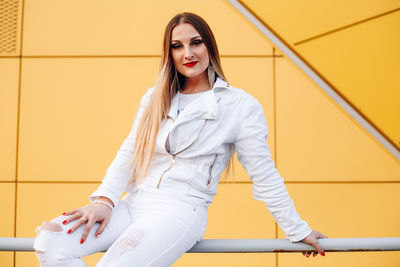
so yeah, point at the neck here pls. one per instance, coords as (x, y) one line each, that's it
(196, 84)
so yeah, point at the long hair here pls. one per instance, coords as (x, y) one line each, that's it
(168, 82)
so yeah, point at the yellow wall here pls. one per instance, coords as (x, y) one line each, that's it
(69, 92)
(354, 45)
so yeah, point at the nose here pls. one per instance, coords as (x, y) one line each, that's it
(188, 53)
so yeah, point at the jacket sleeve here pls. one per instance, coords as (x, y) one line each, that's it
(118, 173)
(268, 186)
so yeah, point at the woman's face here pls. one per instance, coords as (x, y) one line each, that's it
(189, 52)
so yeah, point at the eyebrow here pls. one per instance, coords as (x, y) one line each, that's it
(191, 39)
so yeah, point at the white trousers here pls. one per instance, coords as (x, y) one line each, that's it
(145, 229)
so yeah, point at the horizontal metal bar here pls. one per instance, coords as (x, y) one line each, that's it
(16, 244)
(254, 245)
(283, 245)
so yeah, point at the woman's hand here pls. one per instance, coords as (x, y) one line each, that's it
(312, 239)
(90, 214)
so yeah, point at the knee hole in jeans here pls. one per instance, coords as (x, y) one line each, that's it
(51, 227)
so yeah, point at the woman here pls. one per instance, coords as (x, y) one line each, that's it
(182, 139)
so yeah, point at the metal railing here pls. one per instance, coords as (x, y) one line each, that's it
(253, 245)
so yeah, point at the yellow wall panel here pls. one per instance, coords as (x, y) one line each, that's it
(255, 76)
(297, 20)
(347, 211)
(363, 62)
(225, 260)
(23, 259)
(234, 213)
(104, 28)
(75, 114)
(6, 258)
(9, 72)
(318, 141)
(7, 211)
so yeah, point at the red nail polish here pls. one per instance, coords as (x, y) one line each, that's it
(82, 240)
(69, 231)
(64, 221)
(97, 235)
(323, 253)
(64, 213)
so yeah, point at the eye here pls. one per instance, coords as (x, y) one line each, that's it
(175, 46)
(197, 42)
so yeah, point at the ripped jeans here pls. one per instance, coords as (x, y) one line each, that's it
(145, 229)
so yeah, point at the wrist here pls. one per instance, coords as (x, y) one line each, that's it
(106, 199)
(103, 203)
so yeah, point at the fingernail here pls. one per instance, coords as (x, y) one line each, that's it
(323, 253)
(69, 231)
(82, 240)
(97, 235)
(64, 221)
(64, 213)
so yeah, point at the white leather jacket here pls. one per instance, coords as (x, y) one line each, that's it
(201, 141)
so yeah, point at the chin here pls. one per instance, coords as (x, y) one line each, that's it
(191, 74)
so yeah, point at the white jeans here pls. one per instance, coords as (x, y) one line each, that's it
(145, 229)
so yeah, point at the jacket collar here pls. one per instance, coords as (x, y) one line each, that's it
(204, 107)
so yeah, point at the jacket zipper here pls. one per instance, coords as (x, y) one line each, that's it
(211, 167)
(174, 155)
(170, 167)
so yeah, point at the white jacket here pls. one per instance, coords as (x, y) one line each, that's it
(202, 139)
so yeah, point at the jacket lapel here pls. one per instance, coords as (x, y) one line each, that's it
(204, 107)
(193, 118)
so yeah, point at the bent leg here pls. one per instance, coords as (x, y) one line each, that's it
(160, 233)
(55, 247)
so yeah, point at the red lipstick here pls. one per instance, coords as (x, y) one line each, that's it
(190, 64)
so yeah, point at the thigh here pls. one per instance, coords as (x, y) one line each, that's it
(70, 243)
(160, 233)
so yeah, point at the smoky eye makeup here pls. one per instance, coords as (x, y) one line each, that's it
(197, 41)
(175, 45)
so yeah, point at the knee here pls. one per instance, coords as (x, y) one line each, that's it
(47, 246)
(46, 236)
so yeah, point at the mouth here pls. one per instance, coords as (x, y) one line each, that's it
(190, 64)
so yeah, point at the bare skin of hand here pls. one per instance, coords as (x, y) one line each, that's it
(89, 215)
(312, 239)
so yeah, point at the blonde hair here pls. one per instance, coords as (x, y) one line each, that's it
(168, 82)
